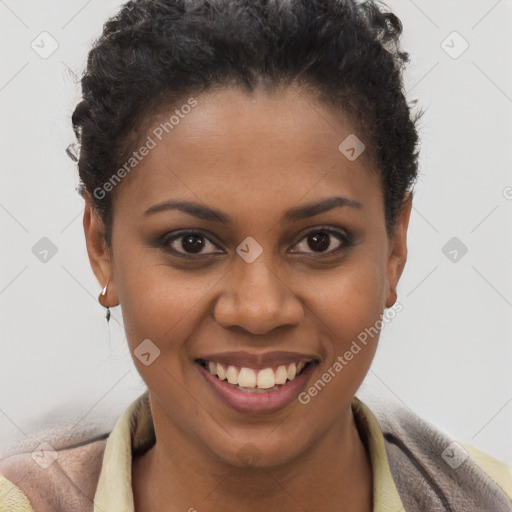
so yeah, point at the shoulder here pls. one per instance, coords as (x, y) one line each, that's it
(500, 472)
(434, 470)
(44, 476)
(12, 498)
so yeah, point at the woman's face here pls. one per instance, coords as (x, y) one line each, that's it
(266, 280)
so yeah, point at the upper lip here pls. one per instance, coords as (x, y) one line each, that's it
(258, 361)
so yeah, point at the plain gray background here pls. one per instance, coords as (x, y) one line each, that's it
(447, 355)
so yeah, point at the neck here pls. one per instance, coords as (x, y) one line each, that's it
(173, 475)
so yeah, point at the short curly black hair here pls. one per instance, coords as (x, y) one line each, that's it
(154, 52)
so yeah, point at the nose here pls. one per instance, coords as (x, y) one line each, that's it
(256, 299)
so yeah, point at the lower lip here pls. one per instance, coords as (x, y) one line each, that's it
(257, 403)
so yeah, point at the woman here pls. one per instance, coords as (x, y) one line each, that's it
(247, 170)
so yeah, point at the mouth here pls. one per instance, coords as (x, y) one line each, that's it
(256, 387)
(255, 380)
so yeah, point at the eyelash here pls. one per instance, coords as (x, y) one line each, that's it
(344, 237)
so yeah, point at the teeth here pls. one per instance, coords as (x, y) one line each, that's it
(247, 378)
(281, 375)
(232, 375)
(220, 372)
(262, 379)
(266, 378)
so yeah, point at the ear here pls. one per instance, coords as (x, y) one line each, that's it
(99, 255)
(398, 250)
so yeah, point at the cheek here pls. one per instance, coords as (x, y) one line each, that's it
(351, 298)
(350, 314)
(348, 309)
(161, 304)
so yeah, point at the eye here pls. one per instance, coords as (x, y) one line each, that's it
(320, 241)
(187, 243)
(195, 243)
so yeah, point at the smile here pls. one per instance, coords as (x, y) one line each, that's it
(253, 379)
(256, 386)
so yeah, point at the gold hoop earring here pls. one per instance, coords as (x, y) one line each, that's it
(103, 293)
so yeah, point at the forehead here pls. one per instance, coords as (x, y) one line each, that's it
(249, 150)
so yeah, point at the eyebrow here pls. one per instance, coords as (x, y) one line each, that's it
(293, 215)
